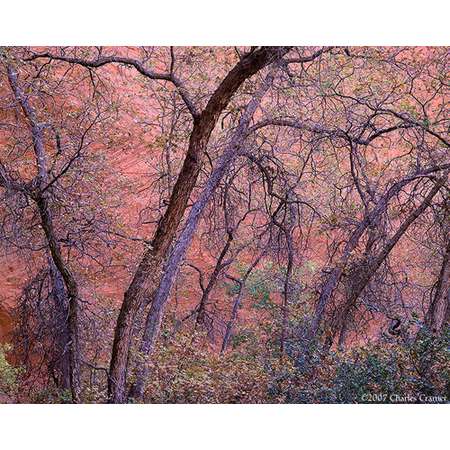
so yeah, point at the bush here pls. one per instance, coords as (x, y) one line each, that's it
(186, 372)
(8, 373)
(408, 372)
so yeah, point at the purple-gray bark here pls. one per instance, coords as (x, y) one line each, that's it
(154, 318)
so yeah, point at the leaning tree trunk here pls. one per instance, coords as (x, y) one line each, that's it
(335, 275)
(234, 313)
(146, 279)
(201, 312)
(372, 264)
(159, 300)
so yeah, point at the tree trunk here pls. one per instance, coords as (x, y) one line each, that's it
(439, 307)
(159, 300)
(286, 299)
(335, 275)
(62, 344)
(287, 230)
(40, 196)
(344, 328)
(237, 302)
(146, 279)
(233, 317)
(372, 264)
(201, 313)
(72, 295)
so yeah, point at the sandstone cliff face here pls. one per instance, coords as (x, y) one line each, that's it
(131, 159)
(12, 279)
(5, 324)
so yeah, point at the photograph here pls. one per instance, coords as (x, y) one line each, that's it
(224, 224)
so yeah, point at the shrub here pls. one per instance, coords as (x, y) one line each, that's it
(8, 373)
(412, 372)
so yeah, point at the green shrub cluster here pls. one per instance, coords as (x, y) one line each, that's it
(9, 375)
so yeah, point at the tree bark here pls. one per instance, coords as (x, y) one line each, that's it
(62, 344)
(372, 264)
(287, 229)
(40, 196)
(149, 272)
(201, 312)
(335, 275)
(438, 311)
(234, 312)
(237, 302)
(159, 300)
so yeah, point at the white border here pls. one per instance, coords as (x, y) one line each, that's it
(225, 22)
(223, 426)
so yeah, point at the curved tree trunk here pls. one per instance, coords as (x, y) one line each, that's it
(40, 195)
(159, 300)
(335, 275)
(72, 295)
(372, 264)
(146, 279)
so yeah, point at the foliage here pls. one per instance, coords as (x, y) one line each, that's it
(51, 396)
(186, 372)
(319, 208)
(407, 372)
(9, 375)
